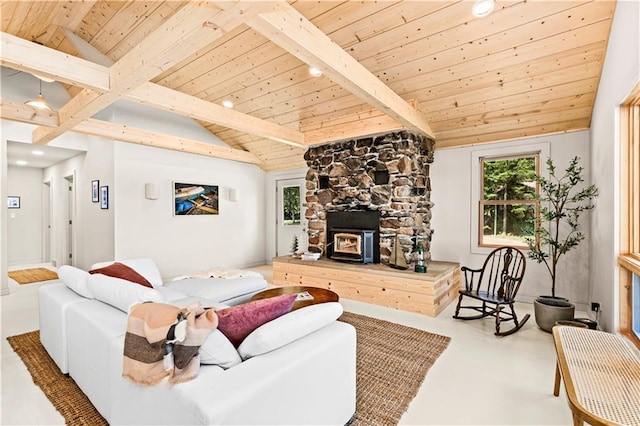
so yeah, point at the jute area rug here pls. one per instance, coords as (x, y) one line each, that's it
(392, 361)
(27, 276)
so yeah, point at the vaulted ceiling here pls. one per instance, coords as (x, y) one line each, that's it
(529, 68)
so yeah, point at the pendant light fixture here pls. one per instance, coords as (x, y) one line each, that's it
(39, 102)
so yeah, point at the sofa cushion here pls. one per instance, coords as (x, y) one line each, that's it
(144, 266)
(237, 322)
(171, 294)
(119, 293)
(120, 270)
(287, 328)
(218, 350)
(75, 279)
(219, 289)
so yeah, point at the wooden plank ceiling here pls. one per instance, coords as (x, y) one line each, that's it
(529, 68)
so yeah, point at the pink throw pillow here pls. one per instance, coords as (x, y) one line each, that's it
(122, 271)
(239, 321)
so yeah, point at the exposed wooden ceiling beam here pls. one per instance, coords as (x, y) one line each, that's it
(185, 33)
(23, 55)
(144, 137)
(16, 111)
(289, 29)
(151, 94)
(181, 103)
(171, 100)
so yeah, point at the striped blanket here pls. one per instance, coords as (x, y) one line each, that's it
(163, 340)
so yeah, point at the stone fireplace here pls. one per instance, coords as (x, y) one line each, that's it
(387, 175)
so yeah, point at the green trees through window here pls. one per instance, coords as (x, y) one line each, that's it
(508, 206)
(291, 205)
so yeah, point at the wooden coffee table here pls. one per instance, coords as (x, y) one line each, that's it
(320, 295)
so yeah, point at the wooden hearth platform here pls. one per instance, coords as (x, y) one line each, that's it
(379, 284)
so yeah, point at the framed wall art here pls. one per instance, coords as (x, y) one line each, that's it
(95, 191)
(13, 202)
(104, 197)
(194, 199)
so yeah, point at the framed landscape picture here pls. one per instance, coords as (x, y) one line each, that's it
(194, 199)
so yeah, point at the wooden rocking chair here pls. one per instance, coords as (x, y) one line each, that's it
(496, 284)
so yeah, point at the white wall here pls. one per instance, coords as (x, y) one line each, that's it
(94, 230)
(24, 225)
(183, 244)
(94, 227)
(620, 74)
(451, 221)
(179, 245)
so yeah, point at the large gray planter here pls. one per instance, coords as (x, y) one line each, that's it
(548, 311)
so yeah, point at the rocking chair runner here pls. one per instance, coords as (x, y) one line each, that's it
(496, 283)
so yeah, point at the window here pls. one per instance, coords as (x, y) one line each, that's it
(508, 206)
(629, 259)
(291, 205)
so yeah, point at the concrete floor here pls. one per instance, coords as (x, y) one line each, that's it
(479, 380)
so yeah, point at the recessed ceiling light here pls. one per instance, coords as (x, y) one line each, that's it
(21, 163)
(227, 104)
(315, 71)
(482, 8)
(37, 152)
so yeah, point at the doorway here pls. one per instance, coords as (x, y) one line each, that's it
(47, 208)
(291, 224)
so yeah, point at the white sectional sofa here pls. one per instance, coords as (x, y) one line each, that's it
(308, 380)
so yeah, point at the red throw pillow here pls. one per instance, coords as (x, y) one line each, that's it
(239, 321)
(120, 270)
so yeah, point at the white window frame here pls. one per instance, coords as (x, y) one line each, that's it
(542, 149)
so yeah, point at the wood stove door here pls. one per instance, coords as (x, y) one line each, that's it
(290, 220)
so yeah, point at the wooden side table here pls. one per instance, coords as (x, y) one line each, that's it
(320, 295)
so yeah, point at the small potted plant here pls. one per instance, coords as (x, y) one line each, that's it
(561, 203)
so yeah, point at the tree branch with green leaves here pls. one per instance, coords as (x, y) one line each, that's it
(557, 231)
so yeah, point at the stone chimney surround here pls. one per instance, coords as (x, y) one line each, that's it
(387, 173)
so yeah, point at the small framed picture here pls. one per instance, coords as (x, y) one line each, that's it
(95, 191)
(104, 197)
(13, 202)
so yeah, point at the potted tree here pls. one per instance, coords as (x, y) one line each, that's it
(561, 203)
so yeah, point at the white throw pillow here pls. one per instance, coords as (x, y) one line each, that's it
(145, 267)
(75, 279)
(218, 350)
(121, 294)
(289, 327)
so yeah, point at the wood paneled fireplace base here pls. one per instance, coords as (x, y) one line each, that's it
(426, 294)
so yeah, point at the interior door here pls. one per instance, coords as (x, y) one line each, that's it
(46, 223)
(70, 245)
(290, 220)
